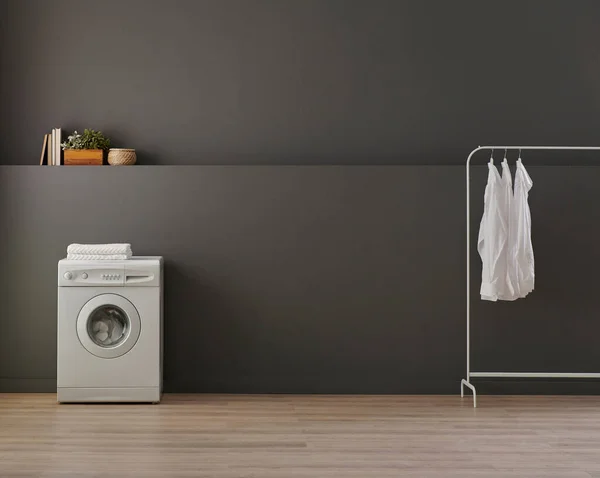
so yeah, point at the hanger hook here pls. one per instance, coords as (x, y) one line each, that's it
(492, 155)
(519, 153)
(505, 152)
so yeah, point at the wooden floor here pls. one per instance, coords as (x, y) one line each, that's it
(302, 436)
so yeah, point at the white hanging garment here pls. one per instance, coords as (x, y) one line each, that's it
(493, 237)
(511, 285)
(520, 226)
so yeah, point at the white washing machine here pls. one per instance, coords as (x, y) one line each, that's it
(110, 330)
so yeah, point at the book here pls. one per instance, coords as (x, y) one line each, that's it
(57, 152)
(48, 149)
(51, 149)
(42, 157)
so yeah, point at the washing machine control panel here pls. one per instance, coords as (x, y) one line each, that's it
(93, 277)
(135, 272)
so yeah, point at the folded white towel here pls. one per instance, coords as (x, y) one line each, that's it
(101, 249)
(98, 257)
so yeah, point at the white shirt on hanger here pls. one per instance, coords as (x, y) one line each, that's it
(493, 237)
(520, 226)
(511, 285)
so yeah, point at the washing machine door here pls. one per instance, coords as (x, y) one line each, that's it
(108, 326)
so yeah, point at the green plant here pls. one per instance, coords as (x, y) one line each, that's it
(89, 139)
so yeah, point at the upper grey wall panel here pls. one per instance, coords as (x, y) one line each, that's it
(300, 81)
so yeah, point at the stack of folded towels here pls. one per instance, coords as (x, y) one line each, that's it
(99, 252)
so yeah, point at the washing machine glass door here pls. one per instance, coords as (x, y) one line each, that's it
(108, 326)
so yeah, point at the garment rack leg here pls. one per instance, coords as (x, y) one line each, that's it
(463, 382)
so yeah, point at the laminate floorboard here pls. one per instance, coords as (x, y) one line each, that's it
(277, 436)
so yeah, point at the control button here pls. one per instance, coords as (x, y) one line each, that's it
(84, 275)
(104, 276)
(68, 275)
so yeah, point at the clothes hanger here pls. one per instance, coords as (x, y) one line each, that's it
(505, 153)
(492, 157)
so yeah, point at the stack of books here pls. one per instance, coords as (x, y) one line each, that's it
(51, 150)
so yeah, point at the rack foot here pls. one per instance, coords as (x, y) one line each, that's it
(464, 382)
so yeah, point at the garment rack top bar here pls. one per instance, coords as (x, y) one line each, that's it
(557, 148)
(532, 148)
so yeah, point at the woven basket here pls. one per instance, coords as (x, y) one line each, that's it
(121, 157)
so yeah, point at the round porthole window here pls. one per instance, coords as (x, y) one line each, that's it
(108, 326)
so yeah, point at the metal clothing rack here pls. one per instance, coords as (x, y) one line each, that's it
(467, 381)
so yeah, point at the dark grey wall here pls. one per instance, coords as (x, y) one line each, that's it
(300, 81)
(302, 279)
(307, 279)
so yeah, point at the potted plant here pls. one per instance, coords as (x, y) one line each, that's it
(87, 148)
